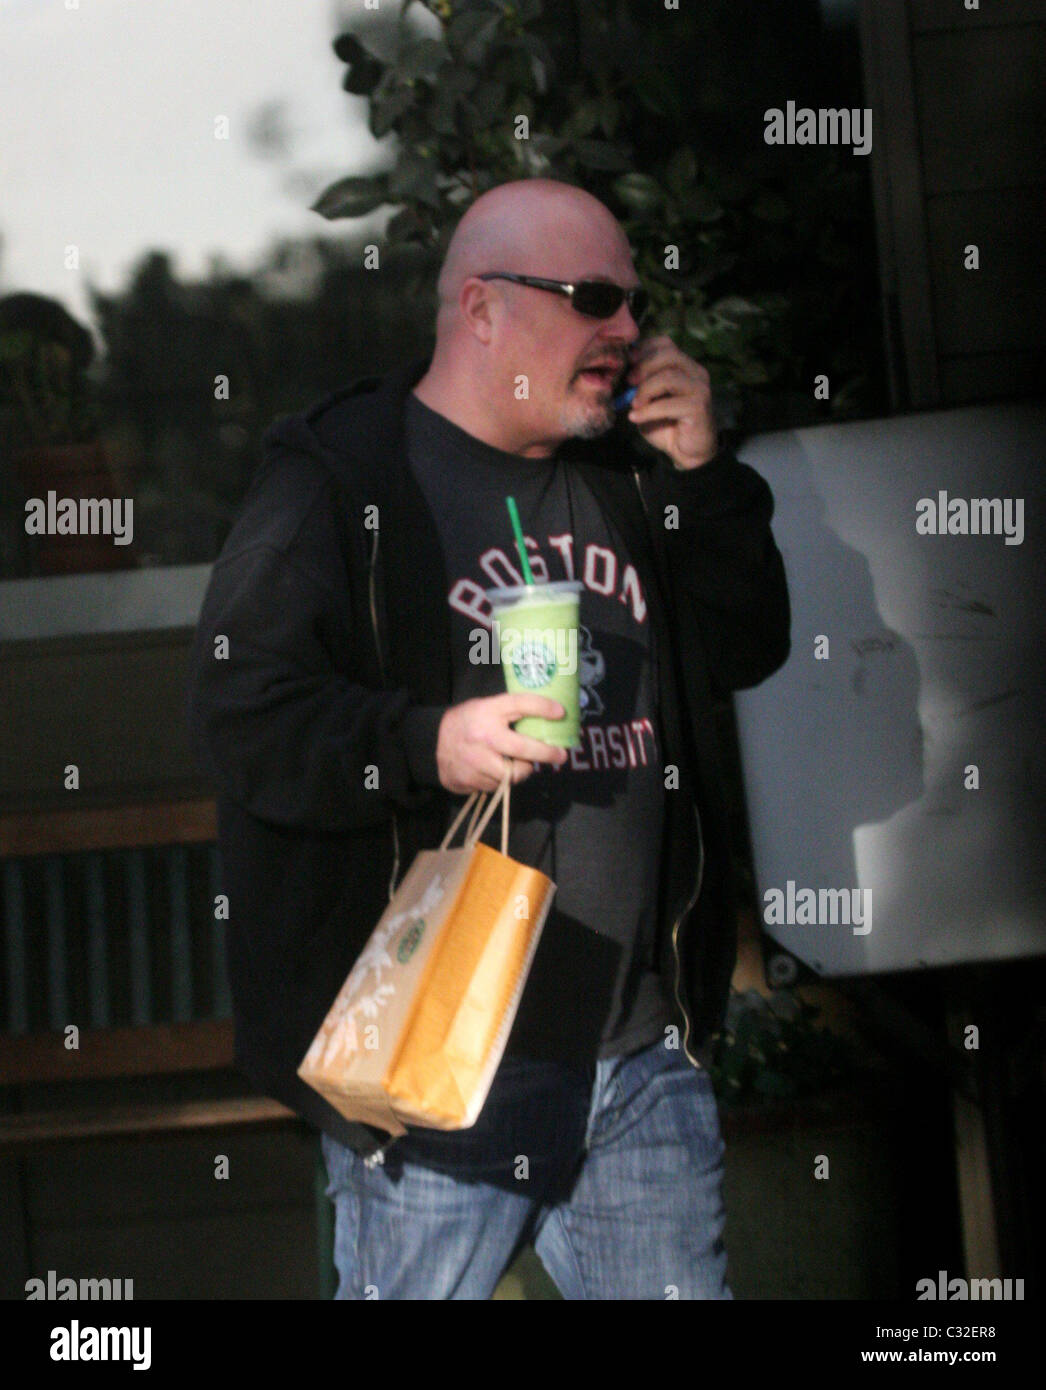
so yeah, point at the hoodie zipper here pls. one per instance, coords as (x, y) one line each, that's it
(675, 935)
(381, 667)
(697, 885)
(378, 1155)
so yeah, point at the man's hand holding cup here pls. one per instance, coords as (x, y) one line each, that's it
(476, 739)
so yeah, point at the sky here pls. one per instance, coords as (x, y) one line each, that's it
(107, 120)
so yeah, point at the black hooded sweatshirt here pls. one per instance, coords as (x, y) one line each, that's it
(331, 594)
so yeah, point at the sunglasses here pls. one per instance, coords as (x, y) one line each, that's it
(594, 298)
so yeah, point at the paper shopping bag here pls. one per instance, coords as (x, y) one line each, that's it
(420, 1025)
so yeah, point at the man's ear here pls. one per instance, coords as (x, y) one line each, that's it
(475, 303)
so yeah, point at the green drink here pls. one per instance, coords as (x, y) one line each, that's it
(537, 628)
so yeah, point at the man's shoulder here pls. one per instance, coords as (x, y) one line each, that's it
(343, 398)
(344, 433)
(314, 460)
(362, 407)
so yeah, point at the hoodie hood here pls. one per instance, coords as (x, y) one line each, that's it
(363, 420)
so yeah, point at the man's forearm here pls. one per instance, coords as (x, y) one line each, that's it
(726, 566)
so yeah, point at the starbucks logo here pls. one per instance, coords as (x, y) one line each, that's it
(409, 941)
(534, 663)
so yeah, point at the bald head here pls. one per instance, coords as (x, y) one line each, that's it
(519, 227)
(518, 366)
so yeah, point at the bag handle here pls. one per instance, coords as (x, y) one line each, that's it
(502, 796)
(474, 818)
(474, 832)
(460, 817)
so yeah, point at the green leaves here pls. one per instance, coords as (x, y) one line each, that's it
(388, 109)
(414, 177)
(699, 204)
(639, 192)
(619, 106)
(682, 170)
(657, 92)
(348, 48)
(770, 207)
(488, 102)
(583, 119)
(455, 82)
(520, 10)
(365, 70)
(601, 154)
(422, 58)
(469, 33)
(352, 197)
(774, 1049)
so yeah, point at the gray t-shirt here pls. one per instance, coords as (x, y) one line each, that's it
(594, 825)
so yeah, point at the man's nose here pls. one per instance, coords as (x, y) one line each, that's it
(621, 326)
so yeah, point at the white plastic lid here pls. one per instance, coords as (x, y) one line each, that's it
(538, 592)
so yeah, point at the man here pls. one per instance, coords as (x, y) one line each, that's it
(349, 593)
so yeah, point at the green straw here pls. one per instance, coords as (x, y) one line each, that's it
(528, 577)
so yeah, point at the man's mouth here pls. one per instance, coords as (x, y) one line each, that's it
(603, 373)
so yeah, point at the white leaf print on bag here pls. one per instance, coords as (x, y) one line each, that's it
(339, 1034)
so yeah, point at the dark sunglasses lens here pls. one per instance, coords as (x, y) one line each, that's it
(600, 301)
(597, 301)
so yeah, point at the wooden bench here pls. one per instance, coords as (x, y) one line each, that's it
(153, 1050)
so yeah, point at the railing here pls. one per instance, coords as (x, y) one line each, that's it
(109, 925)
(105, 924)
(127, 944)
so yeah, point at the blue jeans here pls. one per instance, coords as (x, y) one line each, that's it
(614, 1176)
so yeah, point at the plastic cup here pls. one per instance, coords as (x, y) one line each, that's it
(537, 628)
